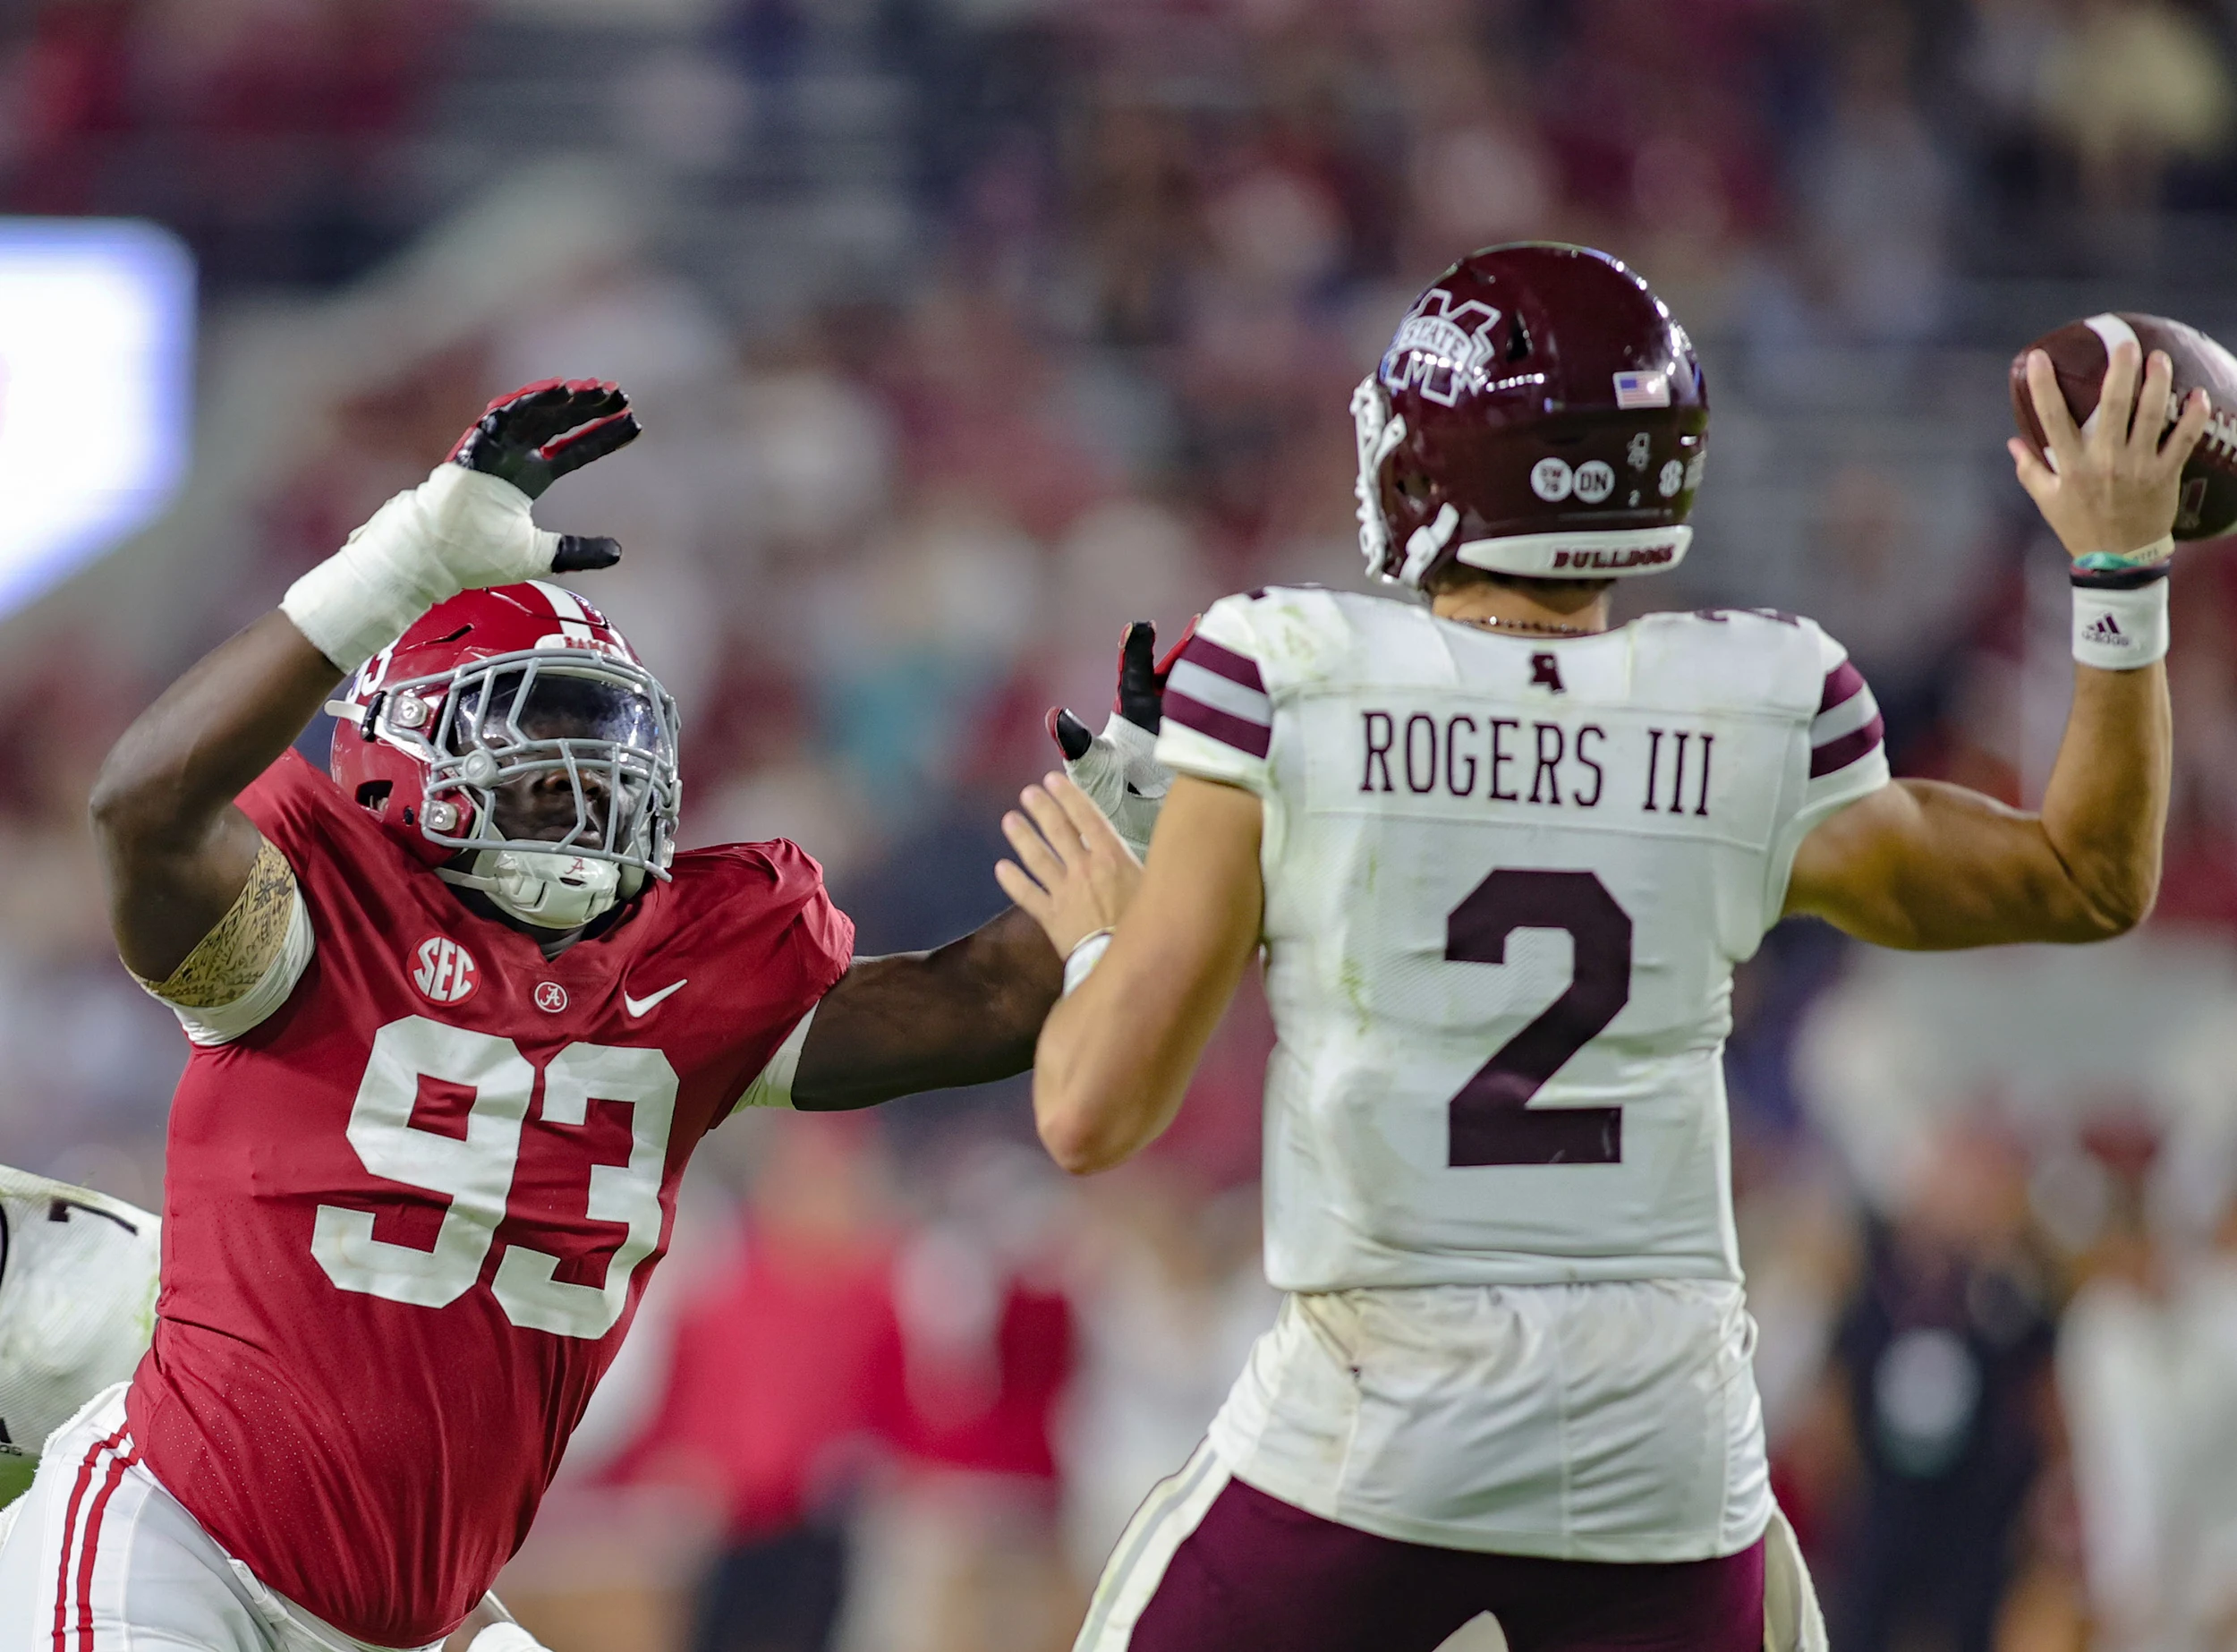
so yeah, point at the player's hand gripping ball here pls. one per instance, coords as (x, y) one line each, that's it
(2206, 505)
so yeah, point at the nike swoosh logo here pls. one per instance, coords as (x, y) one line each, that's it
(644, 1006)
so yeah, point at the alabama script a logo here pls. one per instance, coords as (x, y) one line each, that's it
(1439, 348)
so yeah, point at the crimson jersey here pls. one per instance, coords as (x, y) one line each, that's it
(407, 1217)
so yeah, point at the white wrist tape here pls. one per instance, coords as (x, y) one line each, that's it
(1081, 961)
(2120, 630)
(504, 1638)
(458, 530)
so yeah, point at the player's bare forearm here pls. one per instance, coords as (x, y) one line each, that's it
(176, 851)
(1923, 866)
(965, 1013)
(2105, 809)
(1116, 1056)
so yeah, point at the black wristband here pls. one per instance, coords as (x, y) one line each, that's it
(2120, 579)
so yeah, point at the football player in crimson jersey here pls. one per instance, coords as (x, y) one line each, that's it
(1503, 859)
(460, 1012)
(78, 1277)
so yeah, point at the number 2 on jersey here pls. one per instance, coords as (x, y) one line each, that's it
(1491, 1121)
(477, 1172)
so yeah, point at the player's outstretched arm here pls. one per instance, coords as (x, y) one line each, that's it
(1115, 1058)
(176, 853)
(1925, 866)
(969, 1012)
(965, 1013)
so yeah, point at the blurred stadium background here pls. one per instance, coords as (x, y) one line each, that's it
(964, 330)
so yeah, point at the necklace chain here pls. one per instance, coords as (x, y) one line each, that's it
(1491, 622)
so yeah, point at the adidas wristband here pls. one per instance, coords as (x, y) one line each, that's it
(2121, 627)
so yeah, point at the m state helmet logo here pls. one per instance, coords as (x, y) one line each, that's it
(1439, 349)
(443, 970)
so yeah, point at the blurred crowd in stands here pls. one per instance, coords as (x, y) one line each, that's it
(898, 494)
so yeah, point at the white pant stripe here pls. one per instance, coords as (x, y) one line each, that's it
(1163, 1522)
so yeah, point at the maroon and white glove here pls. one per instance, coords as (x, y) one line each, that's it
(1119, 768)
(468, 524)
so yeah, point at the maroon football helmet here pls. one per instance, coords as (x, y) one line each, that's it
(1538, 413)
(504, 685)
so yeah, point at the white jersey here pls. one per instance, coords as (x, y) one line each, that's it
(76, 1300)
(1507, 880)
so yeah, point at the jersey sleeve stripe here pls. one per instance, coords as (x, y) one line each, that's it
(1227, 694)
(1850, 715)
(1839, 754)
(1841, 683)
(1240, 668)
(1252, 738)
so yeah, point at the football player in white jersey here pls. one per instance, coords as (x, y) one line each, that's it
(1503, 859)
(77, 1306)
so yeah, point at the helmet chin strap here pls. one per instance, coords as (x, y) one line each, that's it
(550, 890)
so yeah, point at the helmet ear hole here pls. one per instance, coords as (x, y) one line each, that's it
(373, 795)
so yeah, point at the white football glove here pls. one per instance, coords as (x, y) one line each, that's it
(1119, 768)
(467, 525)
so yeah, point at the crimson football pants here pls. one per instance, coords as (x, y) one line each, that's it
(1216, 1565)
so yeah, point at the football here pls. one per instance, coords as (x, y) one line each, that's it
(2078, 351)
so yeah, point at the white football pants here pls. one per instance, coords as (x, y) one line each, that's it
(101, 1558)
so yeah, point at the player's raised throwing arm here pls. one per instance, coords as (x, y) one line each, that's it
(1922, 864)
(177, 854)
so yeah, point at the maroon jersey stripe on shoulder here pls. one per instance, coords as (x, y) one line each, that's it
(1214, 724)
(1840, 752)
(1843, 682)
(1202, 651)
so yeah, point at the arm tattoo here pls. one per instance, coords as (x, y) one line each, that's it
(232, 958)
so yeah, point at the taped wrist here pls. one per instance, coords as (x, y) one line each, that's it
(2120, 618)
(457, 530)
(1081, 961)
(504, 1638)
